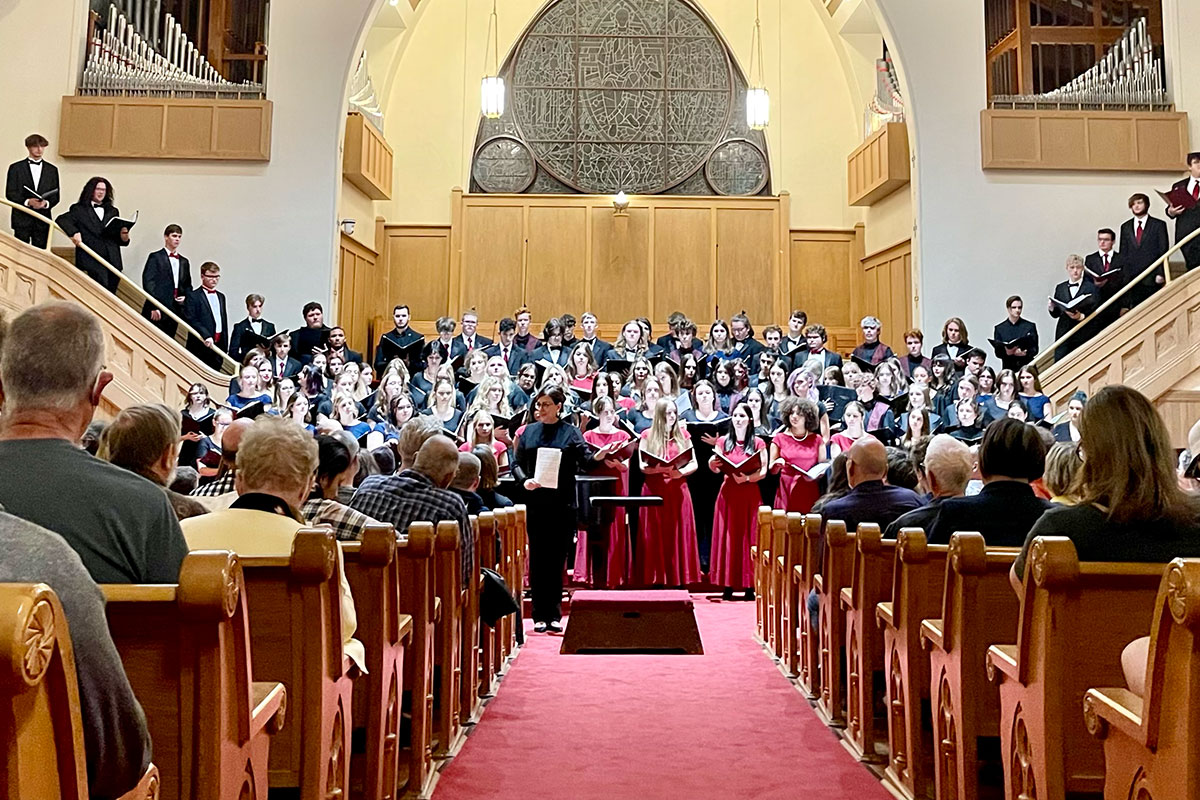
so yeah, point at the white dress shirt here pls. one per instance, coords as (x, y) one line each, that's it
(214, 303)
(99, 209)
(173, 260)
(35, 169)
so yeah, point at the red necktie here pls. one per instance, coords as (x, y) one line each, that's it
(1139, 232)
(1196, 191)
(506, 356)
(1106, 262)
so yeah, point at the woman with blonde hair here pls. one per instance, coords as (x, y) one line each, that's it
(479, 428)
(1062, 464)
(667, 553)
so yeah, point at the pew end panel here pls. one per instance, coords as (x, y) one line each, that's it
(758, 554)
(1152, 744)
(835, 575)
(776, 569)
(417, 599)
(447, 727)
(296, 638)
(809, 678)
(870, 581)
(471, 629)
(489, 556)
(1075, 618)
(791, 605)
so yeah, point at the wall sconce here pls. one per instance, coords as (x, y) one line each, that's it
(348, 226)
(621, 204)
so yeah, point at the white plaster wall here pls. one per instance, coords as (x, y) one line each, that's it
(271, 226)
(982, 236)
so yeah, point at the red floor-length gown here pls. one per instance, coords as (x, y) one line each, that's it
(667, 553)
(735, 528)
(797, 492)
(619, 558)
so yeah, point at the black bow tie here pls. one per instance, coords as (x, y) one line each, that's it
(31, 161)
(97, 205)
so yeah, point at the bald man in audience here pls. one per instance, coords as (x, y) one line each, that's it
(115, 736)
(415, 433)
(466, 482)
(121, 525)
(145, 441)
(944, 469)
(420, 493)
(870, 498)
(219, 493)
(276, 465)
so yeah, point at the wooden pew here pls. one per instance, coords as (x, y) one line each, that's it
(469, 701)
(1075, 619)
(918, 578)
(792, 603)
(870, 584)
(775, 575)
(372, 569)
(1151, 743)
(296, 639)
(39, 703)
(829, 582)
(489, 662)
(808, 645)
(186, 651)
(521, 560)
(979, 609)
(758, 557)
(506, 519)
(447, 722)
(414, 564)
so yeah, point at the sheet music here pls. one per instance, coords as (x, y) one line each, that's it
(545, 470)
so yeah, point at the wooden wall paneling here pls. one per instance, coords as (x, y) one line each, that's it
(355, 282)
(1180, 408)
(367, 158)
(682, 266)
(822, 267)
(747, 254)
(879, 166)
(1124, 141)
(888, 292)
(418, 267)
(493, 257)
(620, 265)
(556, 260)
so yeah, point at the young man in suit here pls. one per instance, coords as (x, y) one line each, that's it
(1012, 329)
(400, 336)
(816, 337)
(588, 323)
(872, 350)
(524, 338)
(1076, 285)
(553, 351)
(39, 175)
(470, 339)
(745, 346)
(1188, 219)
(794, 345)
(204, 309)
(670, 340)
(507, 348)
(253, 323)
(1106, 268)
(282, 364)
(1144, 240)
(337, 346)
(87, 223)
(314, 334)
(167, 277)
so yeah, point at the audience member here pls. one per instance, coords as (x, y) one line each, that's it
(41, 176)
(466, 483)
(121, 525)
(1062, 463)
(946, 468)
(420, 493)
(1011, 456)
(870, 499)
(901, 470)
(336, 468)
(276, 463)
(186, 480)
(488, 478)
(115, 737)
(90, 441)
(413, 435)
(145, 441)
(221, 488)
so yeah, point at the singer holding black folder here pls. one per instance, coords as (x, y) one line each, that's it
(94, 221)
(1073, 300)
(741, 458)
(1015, 340)
(1184, 207)
(32, 182)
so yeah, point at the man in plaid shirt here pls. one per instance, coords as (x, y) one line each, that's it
(419, 494)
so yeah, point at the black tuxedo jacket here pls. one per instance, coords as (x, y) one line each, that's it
(460, 344)
(1185, 223)
(159, 281)
(517, 356)
(1155, 242)
(543, 353)
(236, 350)
(1095, 263)
(20, 176)
(600, 348)
(828, 359)
(199, 315)
(347, 355)
(81, 219)
(1063, 292)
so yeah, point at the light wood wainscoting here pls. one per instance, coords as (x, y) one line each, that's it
(361, 288)
(1084, 140)
(161, 127)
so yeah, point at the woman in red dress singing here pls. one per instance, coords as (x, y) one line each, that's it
(667, 554)
(795, 450)
(607, 435)
(736, 519)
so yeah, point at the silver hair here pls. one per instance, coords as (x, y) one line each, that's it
(437, 459)
(413, 435)
(52, 354)
(951, 461)
(872, 322)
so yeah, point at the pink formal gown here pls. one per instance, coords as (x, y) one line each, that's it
(797, 492)
(667, 553)
(735, 528)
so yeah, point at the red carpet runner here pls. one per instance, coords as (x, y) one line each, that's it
(723, 725)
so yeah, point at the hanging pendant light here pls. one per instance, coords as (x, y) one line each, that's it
(491, 90)
(758, 101)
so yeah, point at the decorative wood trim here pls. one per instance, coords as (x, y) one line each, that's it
(1091, 141)
(367, 158)
(878, 166)
(165, 127)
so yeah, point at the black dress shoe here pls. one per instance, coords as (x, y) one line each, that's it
(539, 627)
(727, 595)
(554, 626)
(749, 594)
